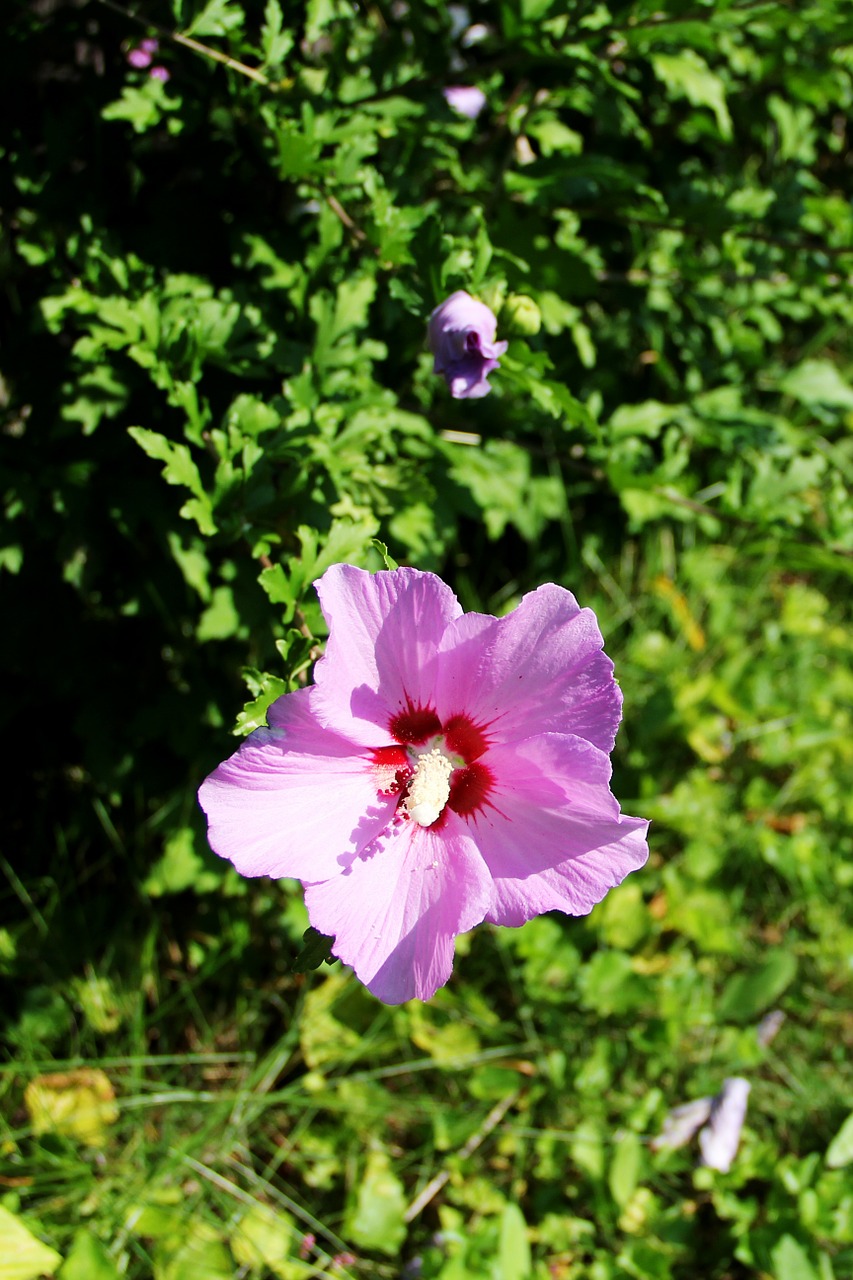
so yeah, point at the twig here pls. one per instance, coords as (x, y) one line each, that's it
(340, 212)
(195, 45)
(440, 1180)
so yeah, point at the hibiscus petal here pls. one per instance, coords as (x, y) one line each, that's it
(462, 339)
(467, 377)
(395, 913)
(538, 669)
(385, 629)
(296, 799)
(551, 832)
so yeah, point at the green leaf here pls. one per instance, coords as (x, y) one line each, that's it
(11, 558)
(387, 560)
(446, 1044)
(748, 994)
(646, 419)
(587, 1148)
(266, 1240)
(335, 1013)
(221, 619)
(514, 1257)
(840, 1151)
(198, 1251)
(316, 949)
(142, 106)
(88, 1260)
(267, 689)
(377, 1221)
(687, 74)
(22, 1255)
(624, 1172)
(179, 469)
(535, 10)
(159, 1217)
(554, 137)
(319, 15)
(623, 917)
(217, 18)
(99, 1001)
(818, 382)
(609, 984)
(275, 42)
(791, 1262)
(181, 867)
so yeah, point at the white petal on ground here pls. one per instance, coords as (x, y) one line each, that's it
(718, 1141)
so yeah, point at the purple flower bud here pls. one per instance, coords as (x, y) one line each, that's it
(467, 99)
(143, 53)
(159, 73)
(462, 340)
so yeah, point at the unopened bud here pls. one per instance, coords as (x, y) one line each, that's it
(520, 315)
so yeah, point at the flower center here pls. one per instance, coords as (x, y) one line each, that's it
(435, 767)
(429, 789)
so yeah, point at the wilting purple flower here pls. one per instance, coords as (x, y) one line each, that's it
(446, 768)
(467, 99)
(719, 1119)
(475, 34)
(143, 54)
(718, 1141)
(462, 340)
(769, 1027)
(680, 1124)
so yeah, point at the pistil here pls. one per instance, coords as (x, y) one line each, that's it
(429, 788)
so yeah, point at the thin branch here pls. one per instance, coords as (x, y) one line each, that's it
(205, 50)
(441, 1179)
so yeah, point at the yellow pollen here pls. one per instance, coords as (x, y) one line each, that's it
(429, 789)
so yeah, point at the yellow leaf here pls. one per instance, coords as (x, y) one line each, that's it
(77, 1104)
(690, 629)
(22, 1255)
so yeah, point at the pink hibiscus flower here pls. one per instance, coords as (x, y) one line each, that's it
(446, 768)
(467, 99)
(462, 340)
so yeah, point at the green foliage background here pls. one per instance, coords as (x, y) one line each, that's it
(214, 385)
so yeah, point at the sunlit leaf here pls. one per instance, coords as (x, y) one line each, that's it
(88, 1260)
(840, 1151)
(688, 73)
(22, 1255)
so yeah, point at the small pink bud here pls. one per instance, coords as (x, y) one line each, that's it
(468, 100)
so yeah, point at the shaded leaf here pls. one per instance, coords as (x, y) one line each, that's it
(748, 994)
(377, 1221)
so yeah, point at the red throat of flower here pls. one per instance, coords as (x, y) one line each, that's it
(435, 766)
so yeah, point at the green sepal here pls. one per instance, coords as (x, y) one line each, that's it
(316, 947)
